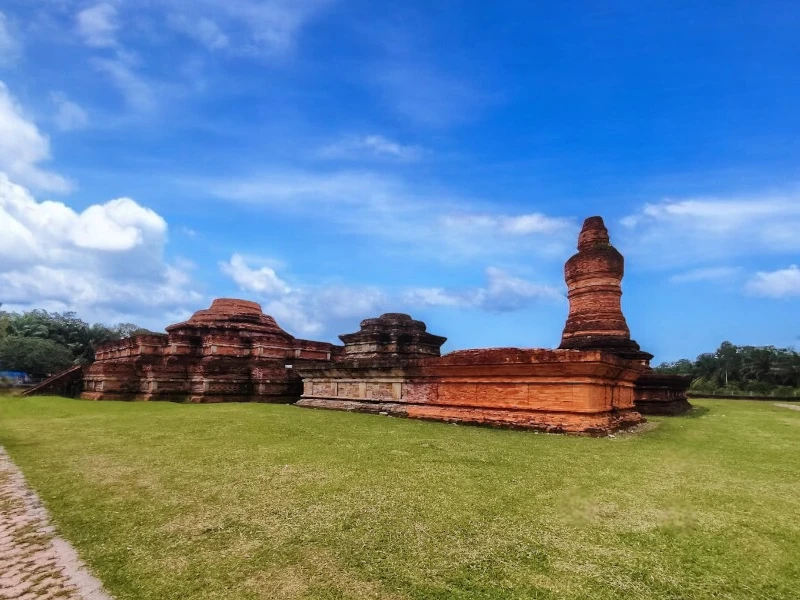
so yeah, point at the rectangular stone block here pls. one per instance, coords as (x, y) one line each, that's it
(324, 389)
(420, 393)
(379, 391)
(348, 390)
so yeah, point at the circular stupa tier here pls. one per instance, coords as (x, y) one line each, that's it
(232, 314)
(400, 321)
(594, 283)
(394, 335)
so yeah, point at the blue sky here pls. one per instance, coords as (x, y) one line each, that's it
(335, 159)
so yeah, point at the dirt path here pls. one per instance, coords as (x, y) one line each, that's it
(34, 563)
(790, 406)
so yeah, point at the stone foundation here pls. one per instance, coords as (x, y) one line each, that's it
(657, 394)
(562, 391)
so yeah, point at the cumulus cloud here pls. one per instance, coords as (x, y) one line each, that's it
(97, 25)
(23, 147)
(685, 231)
(9, 45)
(304, 309)
(69, 116)
(501, 293)
(52, 232)
(371, 146)
(262, 280)
(783, 283)
(106, 259)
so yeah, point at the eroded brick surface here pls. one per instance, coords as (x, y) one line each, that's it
(594, 283)
(588, 385)
(231, 351)
(34, 563)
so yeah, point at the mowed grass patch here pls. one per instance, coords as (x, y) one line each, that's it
(244, 501)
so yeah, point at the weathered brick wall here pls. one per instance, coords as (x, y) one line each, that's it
(229, 352)
(551, 390)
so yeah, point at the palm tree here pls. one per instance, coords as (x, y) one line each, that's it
(786, 369)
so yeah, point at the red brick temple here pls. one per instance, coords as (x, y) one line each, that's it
(597, 381)
(229, 352)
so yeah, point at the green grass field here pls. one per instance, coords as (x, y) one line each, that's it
(171, 501)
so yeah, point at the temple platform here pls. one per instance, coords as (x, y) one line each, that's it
(559, 391)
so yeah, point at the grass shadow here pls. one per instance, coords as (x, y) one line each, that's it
(696, 412)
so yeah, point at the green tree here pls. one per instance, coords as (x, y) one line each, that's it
(88, 339)
(3, 325)
(30, 324)
(35, 356)
(786, 369)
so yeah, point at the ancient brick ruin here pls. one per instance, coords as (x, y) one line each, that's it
(599, 380)
(595, 320)
(594, 283)
(229, 352)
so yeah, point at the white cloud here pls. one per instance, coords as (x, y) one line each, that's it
(98, 25)
(782, 283)
(69, 116)
(9, 45)
(107, 259)
(371, 146)
(304, 309)
(23, 147)
(480, 232)
(712, 274)
(502, 293)
(262, 280)
(327, 309)
(676, 232)
(51, 232)
(533, 223)
(256, 27)
(427, 222)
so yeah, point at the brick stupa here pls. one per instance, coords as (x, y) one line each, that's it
(231, 351)
(595, 321)
(594, 284)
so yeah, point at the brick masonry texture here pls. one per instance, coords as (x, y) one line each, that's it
(229, 352)
(35, 564)
(563, 391)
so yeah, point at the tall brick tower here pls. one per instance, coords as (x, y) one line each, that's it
(594, 283)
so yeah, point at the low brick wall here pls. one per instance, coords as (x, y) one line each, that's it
(564, 391)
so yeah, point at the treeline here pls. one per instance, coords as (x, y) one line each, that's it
(42, 343)
(742, 370)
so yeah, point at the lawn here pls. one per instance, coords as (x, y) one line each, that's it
(172, 501)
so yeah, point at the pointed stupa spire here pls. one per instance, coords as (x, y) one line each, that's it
(594, 280)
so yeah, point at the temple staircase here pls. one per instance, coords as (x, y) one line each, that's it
(66, 383)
